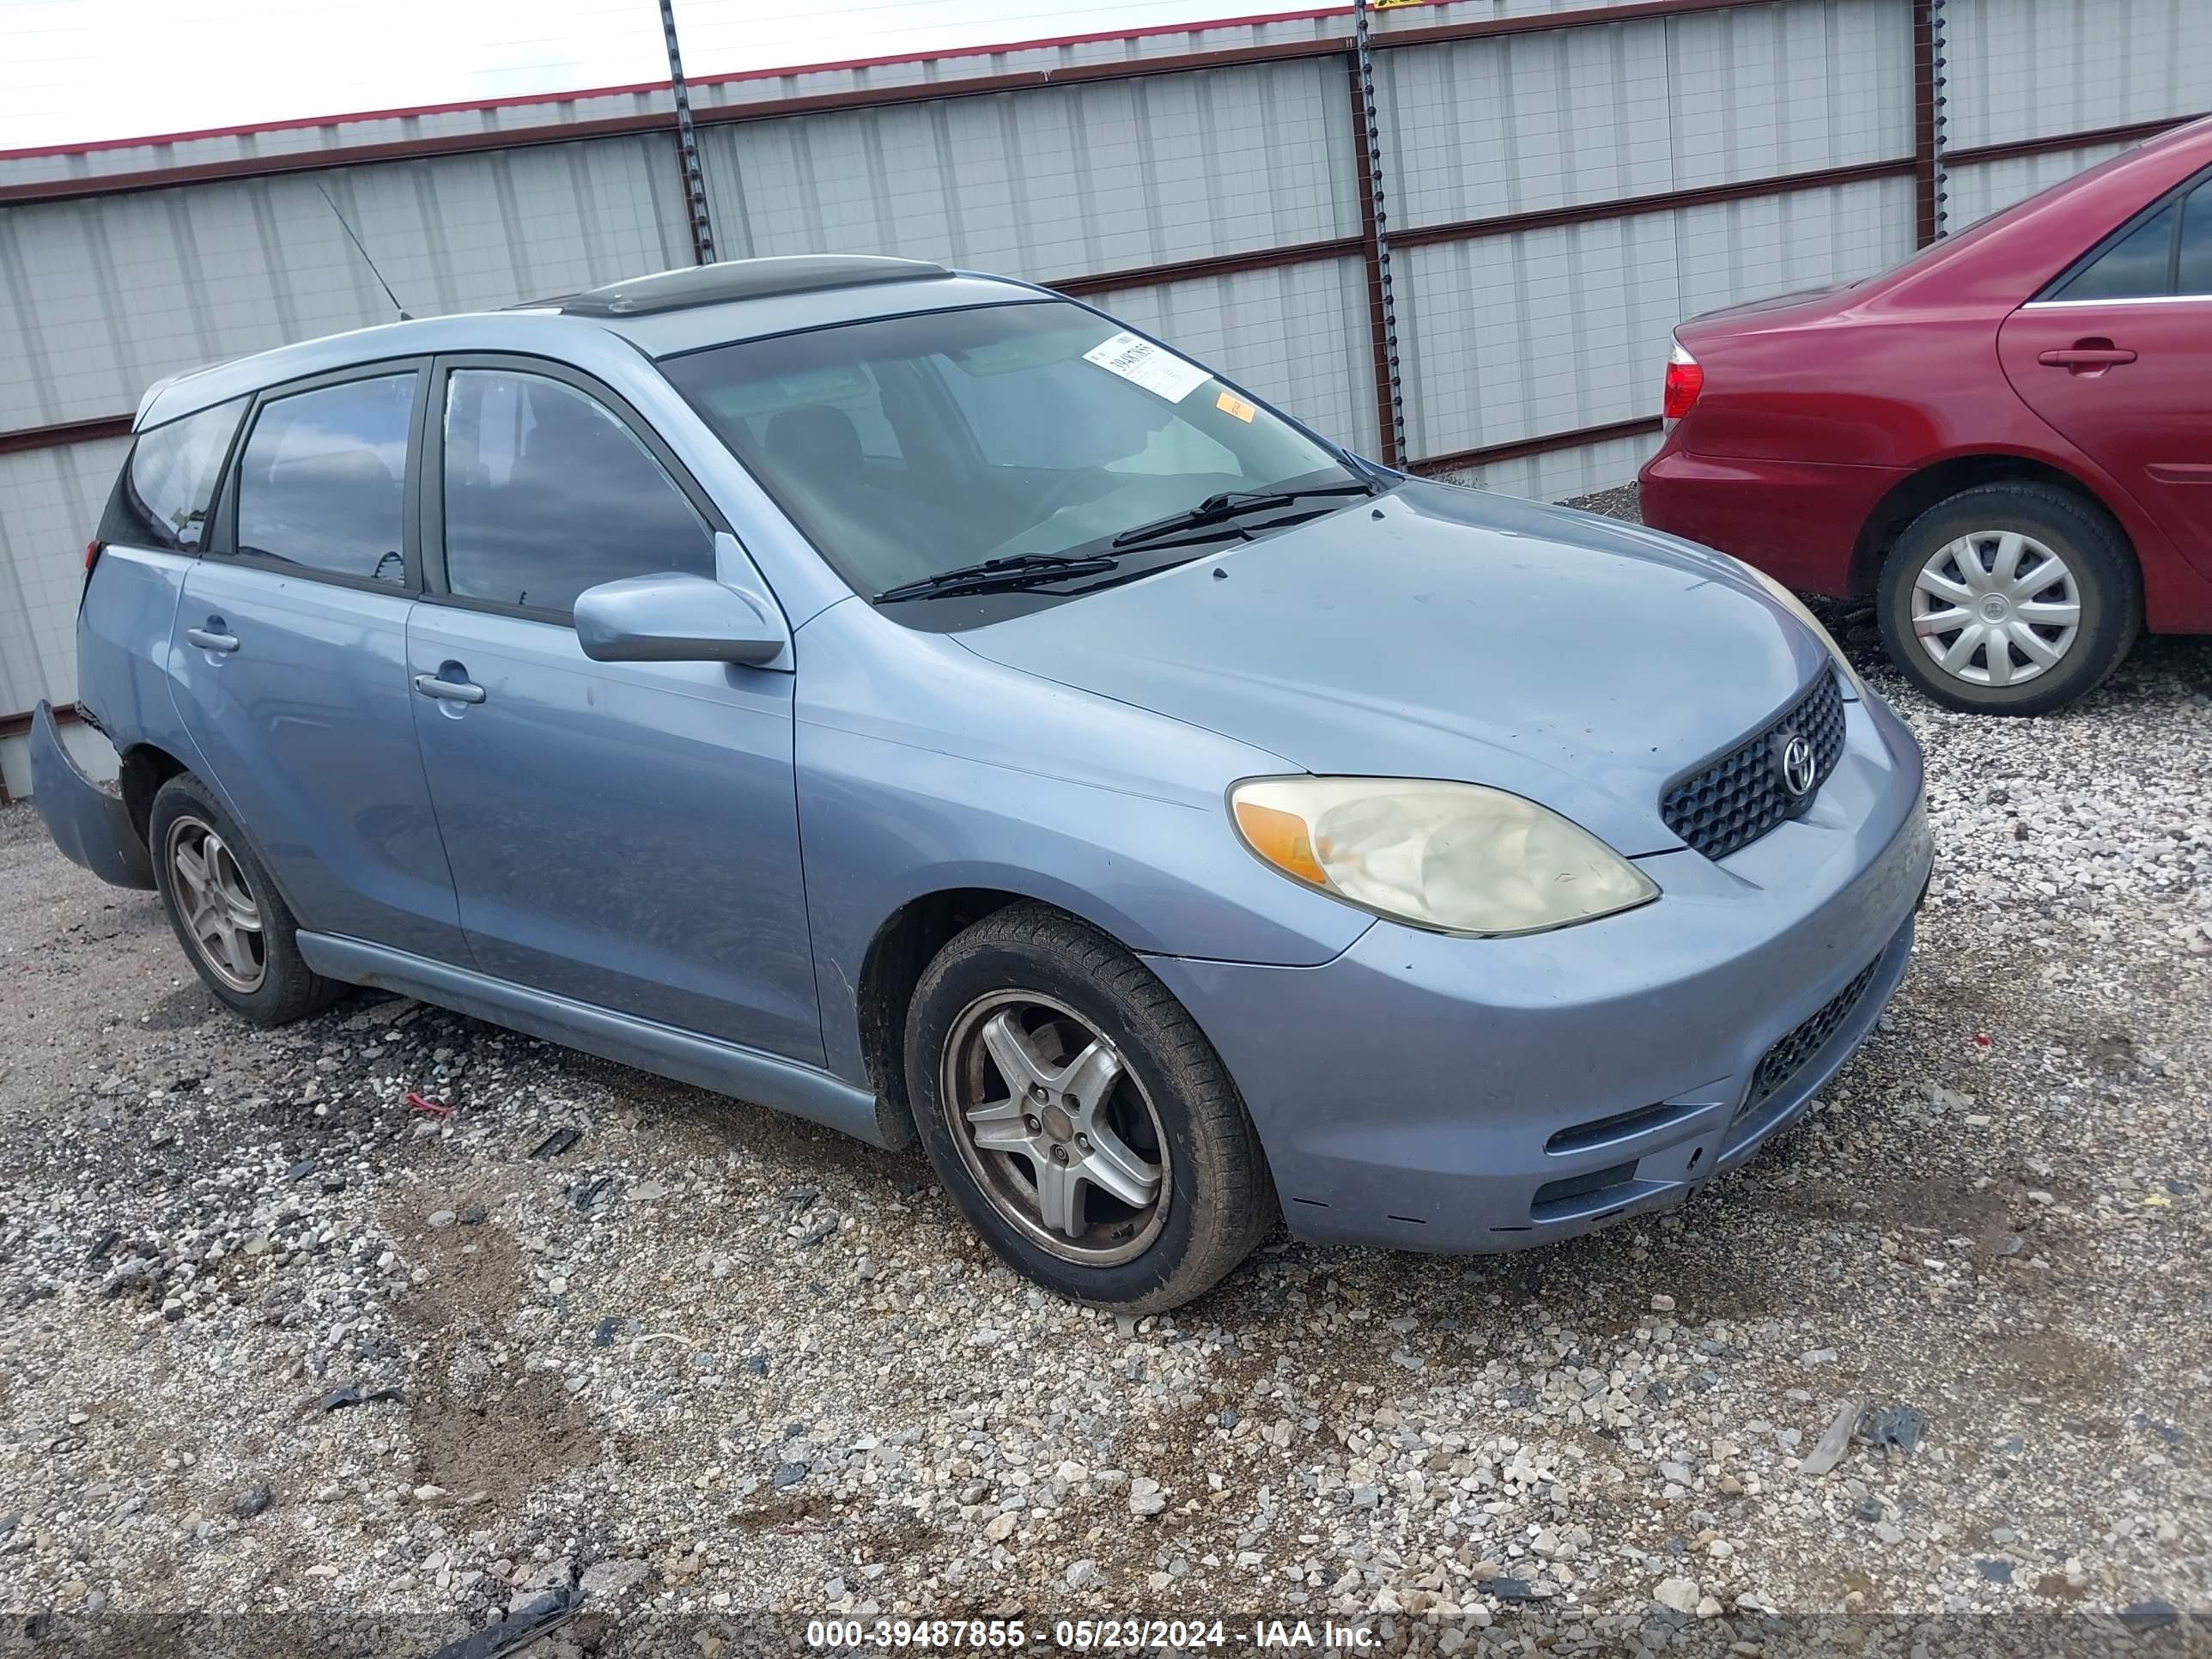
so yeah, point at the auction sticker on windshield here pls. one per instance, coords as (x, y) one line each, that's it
(1142, 363)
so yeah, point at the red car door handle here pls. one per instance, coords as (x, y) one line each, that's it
(2087, 356)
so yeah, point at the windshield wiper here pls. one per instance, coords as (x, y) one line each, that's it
(1219, 509)
(1016, 570)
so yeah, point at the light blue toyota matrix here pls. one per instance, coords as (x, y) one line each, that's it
(912, 700)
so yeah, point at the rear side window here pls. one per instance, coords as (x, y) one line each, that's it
(2139, 266)
(322, 482)
(547, 492)
(161, 497)
(2196, 262)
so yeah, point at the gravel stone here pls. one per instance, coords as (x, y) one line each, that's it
(2020, 1261)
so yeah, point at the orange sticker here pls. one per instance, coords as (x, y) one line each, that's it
(1229, 403)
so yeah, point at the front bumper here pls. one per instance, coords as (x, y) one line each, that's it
(90, 824)
(1423, 1092)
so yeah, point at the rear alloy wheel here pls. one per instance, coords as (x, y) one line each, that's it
(2009, 598)
(216, 908)
(227, 911)
(1079, 1117)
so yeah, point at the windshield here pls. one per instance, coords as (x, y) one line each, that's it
(907, 445)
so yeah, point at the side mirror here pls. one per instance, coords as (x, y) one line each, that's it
(674, 619)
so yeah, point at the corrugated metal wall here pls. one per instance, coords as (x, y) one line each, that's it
(1220, 206)
(1061, 182)
(1561, 328)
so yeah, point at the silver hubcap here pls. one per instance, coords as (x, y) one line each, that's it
(219, 914)
(1061, 1136)
(1995, 608)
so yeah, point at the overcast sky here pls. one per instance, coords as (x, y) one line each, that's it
(75, 71)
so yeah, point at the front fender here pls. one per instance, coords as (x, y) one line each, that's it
(89, 823)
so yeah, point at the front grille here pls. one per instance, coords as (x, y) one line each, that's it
(1788, 1057)
(1728, 804)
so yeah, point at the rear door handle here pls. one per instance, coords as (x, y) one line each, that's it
(448, 690)
(208, 641)
(2081, 357)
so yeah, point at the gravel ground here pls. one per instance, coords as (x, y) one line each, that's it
(272, 1343)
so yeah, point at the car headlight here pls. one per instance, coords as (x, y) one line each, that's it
(1797, 607)
(1455, 858)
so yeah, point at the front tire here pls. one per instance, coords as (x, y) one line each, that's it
(227, 912)
(2009, 598)
(1078, 1116)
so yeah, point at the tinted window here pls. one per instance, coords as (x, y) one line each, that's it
(547, 494)
(162, 498)
(2138, 266)
(323, 479)
(2197, 242)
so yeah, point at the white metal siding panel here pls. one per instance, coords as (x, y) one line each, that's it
(1977, 191)
(1552, 330)
(1523, 123)
(50, 504)
(1060, 182)
(100, 298)
(341, 132)
(709, 91)
(2038, 68)
(1296, 336)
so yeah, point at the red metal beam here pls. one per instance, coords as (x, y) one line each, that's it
(64, 432)
(15, 726)
(1217, 265)
(1548, 443)
(2127, 134)
(1623, 207)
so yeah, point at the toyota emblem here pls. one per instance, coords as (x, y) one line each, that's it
(1794, 761)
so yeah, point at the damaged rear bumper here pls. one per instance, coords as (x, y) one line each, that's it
(88, 822)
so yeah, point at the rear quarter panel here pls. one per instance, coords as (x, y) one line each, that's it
(123, 631)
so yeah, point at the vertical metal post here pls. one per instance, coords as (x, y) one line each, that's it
(687, 144)
(1391, 406)
(1940, 54)
(1929, 77)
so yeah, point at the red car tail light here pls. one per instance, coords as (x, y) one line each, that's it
(92, 552)
(1685, 380)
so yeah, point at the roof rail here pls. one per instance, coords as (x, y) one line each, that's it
(743, 279)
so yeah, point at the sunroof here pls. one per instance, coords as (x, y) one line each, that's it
(745, 279)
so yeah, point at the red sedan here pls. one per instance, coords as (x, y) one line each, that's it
(2006, 442)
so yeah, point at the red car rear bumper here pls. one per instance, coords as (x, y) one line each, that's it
(1797, 521)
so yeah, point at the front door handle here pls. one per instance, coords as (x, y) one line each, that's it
(208, 639)
(2088, 356)
(448, 690)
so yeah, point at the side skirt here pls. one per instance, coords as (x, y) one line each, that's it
(747, 1074)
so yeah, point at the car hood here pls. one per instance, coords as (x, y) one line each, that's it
(1446, 633)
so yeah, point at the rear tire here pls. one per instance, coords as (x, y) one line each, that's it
(2009, 598)
(234, 925)
(1079, 1117)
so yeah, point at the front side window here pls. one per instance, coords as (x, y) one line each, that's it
(547, 492)
(162, 498)
(2139, 266)
(1032, 428)
(322, 483)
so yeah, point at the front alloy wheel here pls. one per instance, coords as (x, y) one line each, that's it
(1078, 1116)
(1056, 1129)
